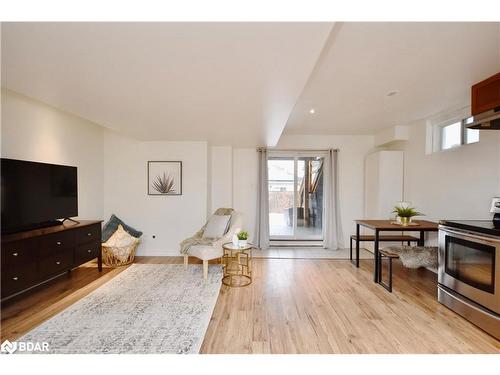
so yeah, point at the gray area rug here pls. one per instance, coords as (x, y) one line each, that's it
(148, 308)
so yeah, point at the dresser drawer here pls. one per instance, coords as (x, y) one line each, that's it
(56, 263)
(89, 234)
(56, 242)
(18, 252)
(84, 253)
(15, 279)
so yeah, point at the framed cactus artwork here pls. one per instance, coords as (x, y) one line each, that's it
(164, 178)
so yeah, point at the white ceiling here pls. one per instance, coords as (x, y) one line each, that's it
(431, 65)
(240, 83)
(228, 83)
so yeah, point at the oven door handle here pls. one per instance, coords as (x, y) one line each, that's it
(466, 235)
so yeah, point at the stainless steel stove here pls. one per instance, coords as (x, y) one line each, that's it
(468, 274)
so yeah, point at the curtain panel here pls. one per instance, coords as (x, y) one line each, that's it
(262, 226)
(332, 229)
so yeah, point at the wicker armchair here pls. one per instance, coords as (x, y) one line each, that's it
(111, 260)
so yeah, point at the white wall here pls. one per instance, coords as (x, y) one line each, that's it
(452, 184)
(221, 177)
(169, 218)
(233, 182)
(384, 182)
(245, 172)
(35, 131)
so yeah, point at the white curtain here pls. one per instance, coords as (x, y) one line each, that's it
(332, 228)
(262, 227)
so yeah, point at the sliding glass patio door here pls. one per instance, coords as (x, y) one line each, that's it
(295, 183)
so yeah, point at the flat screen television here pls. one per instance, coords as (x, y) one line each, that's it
(36, 194)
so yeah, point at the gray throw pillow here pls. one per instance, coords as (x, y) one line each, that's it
(112, 225)
(216, 226)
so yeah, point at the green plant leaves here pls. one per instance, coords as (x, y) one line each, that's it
(242, 235)
(406, 211)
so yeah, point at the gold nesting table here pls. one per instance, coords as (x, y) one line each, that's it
(237, 265)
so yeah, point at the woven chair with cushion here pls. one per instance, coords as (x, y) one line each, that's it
(120, 248)
(111, 260)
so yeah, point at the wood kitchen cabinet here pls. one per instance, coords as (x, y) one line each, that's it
(485, 95)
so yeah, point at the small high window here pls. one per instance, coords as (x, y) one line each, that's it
(453, 133)
(471, 136)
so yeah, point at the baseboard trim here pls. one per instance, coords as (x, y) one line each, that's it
(285, 243)
(158, 253)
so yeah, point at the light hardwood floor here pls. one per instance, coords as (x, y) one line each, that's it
(295, 306)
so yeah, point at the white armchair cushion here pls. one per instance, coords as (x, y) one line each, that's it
(216, 226)
(205, 252)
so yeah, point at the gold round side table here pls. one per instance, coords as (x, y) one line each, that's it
(237, 265)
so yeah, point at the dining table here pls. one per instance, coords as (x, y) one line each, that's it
(377, 226)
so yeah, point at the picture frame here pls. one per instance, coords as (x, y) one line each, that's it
(164, 177)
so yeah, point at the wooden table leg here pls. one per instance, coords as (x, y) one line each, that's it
(375, 251)
(421, 242)
(350, 249)
(357, 245)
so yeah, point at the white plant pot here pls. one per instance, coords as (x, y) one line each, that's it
(243, 243)
(236, 242)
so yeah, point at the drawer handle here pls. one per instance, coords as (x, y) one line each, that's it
(89, 234)
(58, 242)
(89, 251)
(15, 254)
(57, 262)
(15, 278)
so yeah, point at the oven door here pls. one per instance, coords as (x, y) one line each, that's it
(469, 265)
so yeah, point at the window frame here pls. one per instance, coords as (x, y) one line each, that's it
(295, 156)
(465, 137)
(437, 134)
(441, 135)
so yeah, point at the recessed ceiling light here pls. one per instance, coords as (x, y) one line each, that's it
(392, 93)
(312, 111)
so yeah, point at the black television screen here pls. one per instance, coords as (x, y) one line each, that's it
(36, 194)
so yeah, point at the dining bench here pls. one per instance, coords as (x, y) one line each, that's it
(411, 257)
(382, 238)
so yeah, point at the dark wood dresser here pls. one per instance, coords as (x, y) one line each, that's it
(33, 257)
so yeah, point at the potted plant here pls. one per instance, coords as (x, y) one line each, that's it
(243, 238)
(405, 212)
